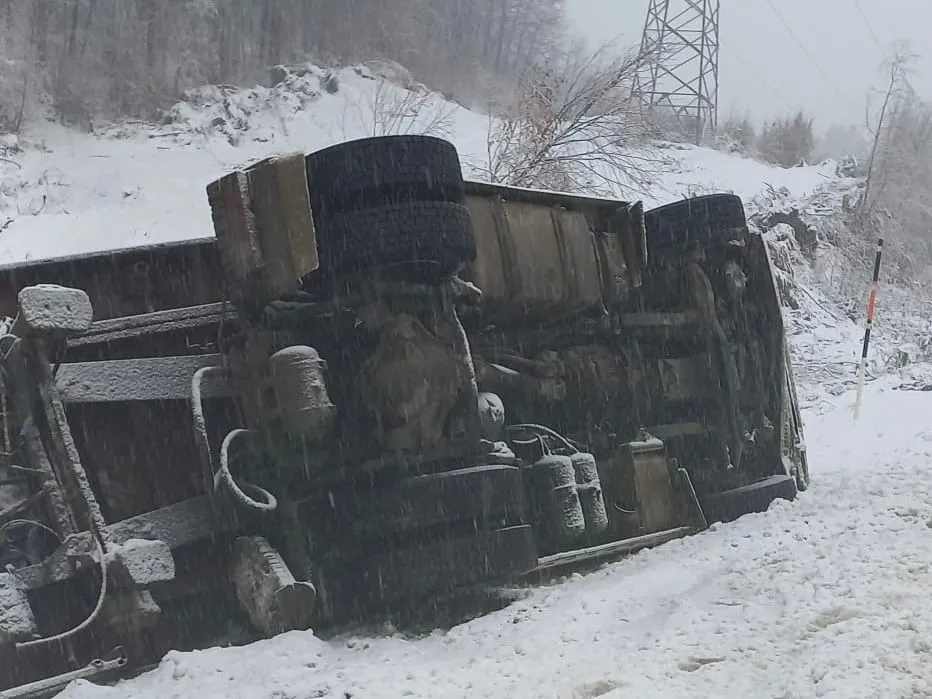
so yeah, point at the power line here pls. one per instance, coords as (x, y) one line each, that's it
(802, 47)
(747, 66)
(867, 22)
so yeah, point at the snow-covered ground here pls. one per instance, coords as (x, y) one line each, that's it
(826, 597)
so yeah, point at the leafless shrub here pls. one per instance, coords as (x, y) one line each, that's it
(787, 141)
(737, 134)
(576, 129)
(391, 110)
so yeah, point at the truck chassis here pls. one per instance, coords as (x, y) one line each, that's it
(217, 445)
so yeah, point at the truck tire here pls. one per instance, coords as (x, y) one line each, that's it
(370, 172)
(481, 494)
(729, 505)
(707, 220)
(434, 236)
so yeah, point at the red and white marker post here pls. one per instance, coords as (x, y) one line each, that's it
(871, 304)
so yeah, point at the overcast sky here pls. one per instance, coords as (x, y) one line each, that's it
(765, 71)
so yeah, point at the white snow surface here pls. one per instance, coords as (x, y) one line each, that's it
(67, 193)
(824, 597)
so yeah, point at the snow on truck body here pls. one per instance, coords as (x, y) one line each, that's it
(469, 384)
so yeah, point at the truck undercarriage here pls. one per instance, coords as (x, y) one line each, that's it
(377, 385)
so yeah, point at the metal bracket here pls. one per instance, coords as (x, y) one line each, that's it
(49, 687)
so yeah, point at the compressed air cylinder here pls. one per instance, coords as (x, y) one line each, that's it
(590, 492)
(558, 498)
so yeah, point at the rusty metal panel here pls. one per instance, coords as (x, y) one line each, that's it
(488, 271)
(581, 262)
(533, 261)
(537, 260)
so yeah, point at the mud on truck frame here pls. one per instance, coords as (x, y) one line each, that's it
(377, 384)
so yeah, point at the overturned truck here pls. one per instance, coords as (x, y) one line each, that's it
(377, 384)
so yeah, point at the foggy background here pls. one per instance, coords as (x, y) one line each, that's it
(765, 71)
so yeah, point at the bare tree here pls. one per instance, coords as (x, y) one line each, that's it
(103, 58)
(576, 128)
(896, 69)
(896, 202)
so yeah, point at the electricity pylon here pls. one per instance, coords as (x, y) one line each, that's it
(680, 79)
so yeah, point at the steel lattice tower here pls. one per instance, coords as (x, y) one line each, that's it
(681, 76)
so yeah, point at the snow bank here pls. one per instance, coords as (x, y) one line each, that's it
(138, 184)
(826, 597)
(706, 171)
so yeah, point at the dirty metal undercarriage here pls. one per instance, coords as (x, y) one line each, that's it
(219, 457)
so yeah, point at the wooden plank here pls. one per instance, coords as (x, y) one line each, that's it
(155, 378)
(234, 224)
(264, 227)
(285, 226)
(610, 550)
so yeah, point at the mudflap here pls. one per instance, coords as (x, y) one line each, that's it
(399, 577)
(729, 505)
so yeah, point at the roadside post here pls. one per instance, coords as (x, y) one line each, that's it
(871, 303)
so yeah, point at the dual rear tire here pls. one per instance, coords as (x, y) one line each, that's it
(394, 202)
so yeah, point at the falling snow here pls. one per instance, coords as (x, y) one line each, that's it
(824, 597)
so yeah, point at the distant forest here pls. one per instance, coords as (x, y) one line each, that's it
(85, 58)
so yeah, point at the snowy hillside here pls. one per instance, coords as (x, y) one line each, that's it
(64, 192)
